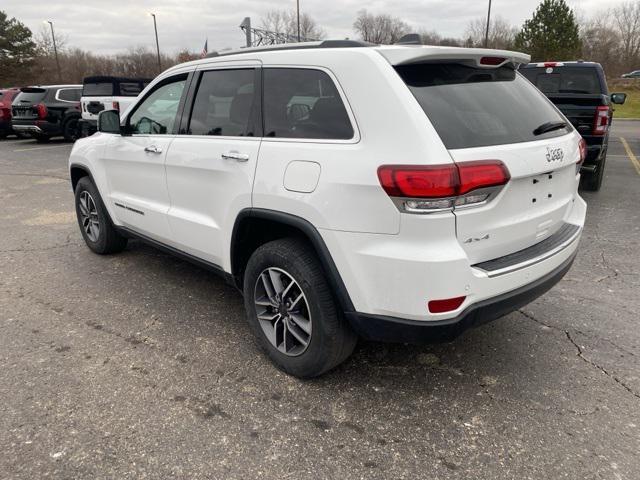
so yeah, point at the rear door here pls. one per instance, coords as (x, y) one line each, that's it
(485, 113)
(96, 97)
(211, 164)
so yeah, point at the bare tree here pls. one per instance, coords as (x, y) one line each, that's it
(44, 41)
(286, 22)
(601, 43)
(626, 19)
(379, 29)
(501, 33)
(430, 37)
(612, 38)
(276, 21)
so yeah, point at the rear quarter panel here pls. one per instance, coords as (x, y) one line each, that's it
(390, 127)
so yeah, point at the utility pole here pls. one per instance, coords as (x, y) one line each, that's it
(55, 50)
(486, 33)
(298, 13)
(155, 28)
(246, 27)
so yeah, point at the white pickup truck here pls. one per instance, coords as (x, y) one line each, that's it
(106, 93)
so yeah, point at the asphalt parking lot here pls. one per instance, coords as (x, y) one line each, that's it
(141, 365)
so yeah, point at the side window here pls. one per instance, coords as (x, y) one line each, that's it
(222, 104)
(70, 94)
(156, 114)
(129, 89)
(303, 103)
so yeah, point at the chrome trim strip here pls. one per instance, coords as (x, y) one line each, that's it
(27, 128)
(492, 192)
(534, 260)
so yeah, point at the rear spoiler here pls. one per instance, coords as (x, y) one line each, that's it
(479, 57)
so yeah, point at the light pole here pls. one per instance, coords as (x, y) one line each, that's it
(55, 49)
(155, 28)
(486, 33)
(298, 14)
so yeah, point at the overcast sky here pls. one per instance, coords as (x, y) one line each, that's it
(114, 25)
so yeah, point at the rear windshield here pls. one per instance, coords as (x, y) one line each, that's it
(477, 107)
(30, 97)
(564, 79)
(97, 89)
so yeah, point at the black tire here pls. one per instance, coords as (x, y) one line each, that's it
(41, 138)
(331, 339)
(70, 130)
(107, 240)
(593, 181)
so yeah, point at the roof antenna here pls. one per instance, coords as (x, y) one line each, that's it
(410, 39)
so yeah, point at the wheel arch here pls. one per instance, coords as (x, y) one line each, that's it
(76, 172)
(255, 227)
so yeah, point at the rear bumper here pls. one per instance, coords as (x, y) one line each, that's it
(27, 128)
(397, 275)
(391, 329)
(38, 127)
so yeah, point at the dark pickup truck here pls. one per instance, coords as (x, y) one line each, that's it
(579, 90)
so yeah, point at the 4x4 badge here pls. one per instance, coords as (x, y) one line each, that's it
(473, 240)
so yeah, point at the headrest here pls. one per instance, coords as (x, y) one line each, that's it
(240, 108)
(327, 110)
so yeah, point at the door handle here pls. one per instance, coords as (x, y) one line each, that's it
(152, 149)
(233, 155)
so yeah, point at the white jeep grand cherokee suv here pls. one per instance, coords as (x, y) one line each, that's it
(398, 193)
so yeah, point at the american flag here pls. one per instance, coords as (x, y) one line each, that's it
(205, 50)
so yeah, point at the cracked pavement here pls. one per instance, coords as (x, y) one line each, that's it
(141, 365)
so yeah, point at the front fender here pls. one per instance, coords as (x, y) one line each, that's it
(88, 154)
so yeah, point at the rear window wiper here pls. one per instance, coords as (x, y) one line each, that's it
(549, 127)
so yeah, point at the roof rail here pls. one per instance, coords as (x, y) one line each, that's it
(295, 46)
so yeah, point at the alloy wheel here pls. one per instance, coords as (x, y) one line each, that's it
(283, 311)
(89, 216)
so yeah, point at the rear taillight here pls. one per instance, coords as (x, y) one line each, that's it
(582, 146)
(601, 121)
(492, 60)
(419, 181)
(116, 105)
(428, 188)
(41, 110)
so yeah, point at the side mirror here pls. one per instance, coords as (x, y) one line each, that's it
(109, 121)
(618, 98)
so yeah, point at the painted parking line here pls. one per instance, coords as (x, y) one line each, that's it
(24, 141)
(632, 157)
(40, 148)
